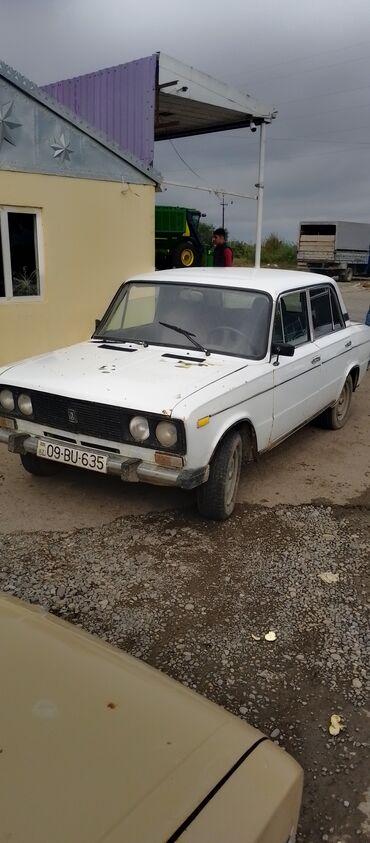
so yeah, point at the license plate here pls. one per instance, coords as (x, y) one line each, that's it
(72, 455)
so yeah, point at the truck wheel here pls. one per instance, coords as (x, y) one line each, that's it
(184, 255)
(216, 498)
(335, 417)
(38, 466)
(346, 274)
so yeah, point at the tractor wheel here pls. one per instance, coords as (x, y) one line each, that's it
(185, 255)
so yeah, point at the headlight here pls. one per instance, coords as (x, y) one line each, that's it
(139, 428)
(25, 404)
(166, 434)
(7, 400)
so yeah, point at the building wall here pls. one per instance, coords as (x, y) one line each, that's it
(95, 235)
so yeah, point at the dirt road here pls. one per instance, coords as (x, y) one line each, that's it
(188, 596)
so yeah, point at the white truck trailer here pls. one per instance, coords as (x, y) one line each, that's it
(339, 249)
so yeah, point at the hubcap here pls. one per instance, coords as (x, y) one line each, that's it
(187, 257)
(343, 403)
(232, 476)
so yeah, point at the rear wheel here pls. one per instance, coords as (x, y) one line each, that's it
(335, 417)
(185, 255)
(216, 498)
(346, 274)
(39, 467)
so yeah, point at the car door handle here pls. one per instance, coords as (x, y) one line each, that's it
(316, 360)
(348, 344)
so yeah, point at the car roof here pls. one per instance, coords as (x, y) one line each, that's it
(273, 281)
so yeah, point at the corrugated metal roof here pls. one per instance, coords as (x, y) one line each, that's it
(156, 98)
(119, 101)
(68, 113)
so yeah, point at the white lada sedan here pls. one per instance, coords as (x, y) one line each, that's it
(189, 374)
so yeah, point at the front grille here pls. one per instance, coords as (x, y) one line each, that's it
(100, 421)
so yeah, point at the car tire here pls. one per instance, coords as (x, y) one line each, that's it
(216, 498)
(38, 466)
(335, 417)
(346, 274)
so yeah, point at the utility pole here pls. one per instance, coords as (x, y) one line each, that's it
(223, 206)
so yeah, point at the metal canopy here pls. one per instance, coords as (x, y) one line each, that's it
(189, 102)
(159, 98)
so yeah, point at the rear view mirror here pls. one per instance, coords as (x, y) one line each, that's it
(282, 348)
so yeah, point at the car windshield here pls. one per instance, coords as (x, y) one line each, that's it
(221, 319)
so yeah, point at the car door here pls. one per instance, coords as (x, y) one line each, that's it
(332, 337)
(297, 379)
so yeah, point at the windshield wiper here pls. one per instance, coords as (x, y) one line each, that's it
(190, 337)
(115, 339)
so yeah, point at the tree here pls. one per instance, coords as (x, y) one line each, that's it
(276, 250)
(243, 251)
(205, 232)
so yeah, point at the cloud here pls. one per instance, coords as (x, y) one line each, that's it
(311, 59)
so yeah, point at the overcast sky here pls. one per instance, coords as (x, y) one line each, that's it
(310, 59)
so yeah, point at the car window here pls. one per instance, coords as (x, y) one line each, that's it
(326, 315)
(337, 313)
(234, 299)
(141, 305)
(222, 320)
(277, 331)
(294, 317)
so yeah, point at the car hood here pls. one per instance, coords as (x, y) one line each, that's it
(97, 746)
(127, 375)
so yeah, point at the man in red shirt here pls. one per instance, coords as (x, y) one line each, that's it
(222, 254)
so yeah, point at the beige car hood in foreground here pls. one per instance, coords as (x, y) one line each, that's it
(96, 746)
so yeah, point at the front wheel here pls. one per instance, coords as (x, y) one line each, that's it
(335, 417)
(39, 467)
(216, 498)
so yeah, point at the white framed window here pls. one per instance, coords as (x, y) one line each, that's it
(20, 254)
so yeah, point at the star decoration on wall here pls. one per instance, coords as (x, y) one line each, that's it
(7, 124)
(62, 148)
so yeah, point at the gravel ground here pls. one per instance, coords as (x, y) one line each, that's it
(188, 597)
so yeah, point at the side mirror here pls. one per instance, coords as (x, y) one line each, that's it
(97, 323)
(282, 348)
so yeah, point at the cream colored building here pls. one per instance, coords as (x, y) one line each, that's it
(76, 217)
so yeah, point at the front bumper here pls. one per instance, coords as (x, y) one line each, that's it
(128, 469)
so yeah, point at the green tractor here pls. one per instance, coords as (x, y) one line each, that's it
(177, 241)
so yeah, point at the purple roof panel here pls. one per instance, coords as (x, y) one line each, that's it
(118, 101)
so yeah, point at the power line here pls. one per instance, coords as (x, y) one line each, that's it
(349, 129)
(185, 162)
(325, 132)
(310, 56)
(324, 113)
(312, 69)
(318, 140)
(328, 94)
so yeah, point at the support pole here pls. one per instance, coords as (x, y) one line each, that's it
(260, 189)
(223, 210)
